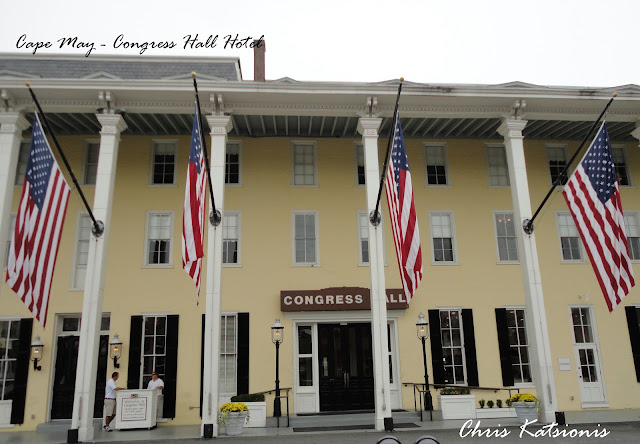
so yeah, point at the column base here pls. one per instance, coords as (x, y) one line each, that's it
(85, 434)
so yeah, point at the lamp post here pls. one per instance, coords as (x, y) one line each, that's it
(115, 350)
(36, 352)
(423, 333)
(276, 337)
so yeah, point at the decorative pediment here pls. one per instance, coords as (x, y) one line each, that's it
(8, 74)
(625, 89)
(397, 82)
(188, 76)
(284, 80)
(517, 84)
(102, 75)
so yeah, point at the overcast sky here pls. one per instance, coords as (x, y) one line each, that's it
(545, 42)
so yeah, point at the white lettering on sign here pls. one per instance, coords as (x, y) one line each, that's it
(133, 409)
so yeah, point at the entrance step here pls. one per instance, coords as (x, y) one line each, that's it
(344, 421)
(62, 425)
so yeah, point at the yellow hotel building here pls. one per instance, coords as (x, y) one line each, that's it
(293, 166)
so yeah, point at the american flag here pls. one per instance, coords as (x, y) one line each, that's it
(193, 216)
(402, 211)
(35, 241)
(593, 197)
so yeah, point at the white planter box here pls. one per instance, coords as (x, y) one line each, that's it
(486, 413)
(257, 414)
(5, 413)
(457, 406)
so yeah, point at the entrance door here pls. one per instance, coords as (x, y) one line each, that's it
(588, 361)
(64, 380)
(346, 367)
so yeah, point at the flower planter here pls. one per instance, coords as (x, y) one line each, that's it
(526, 411)
(235, 423)
(487, 413)
(457, 406)
(257, 414)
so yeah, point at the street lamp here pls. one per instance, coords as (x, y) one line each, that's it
(276, 337)
(115, 350)
(36, 352)
(423, 333)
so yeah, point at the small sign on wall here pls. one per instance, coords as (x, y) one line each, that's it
(564, 364)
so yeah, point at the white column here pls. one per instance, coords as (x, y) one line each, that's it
(11, 126)
(368, 127)
(636, 132)
(537, 329)
(83, 401)
(220, 126)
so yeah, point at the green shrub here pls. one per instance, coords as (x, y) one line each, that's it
(499, 403)
(481, 402)
(490, 404)
(508, 402)
(455, 391)
(252, 397)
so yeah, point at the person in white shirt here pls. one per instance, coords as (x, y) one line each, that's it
(110, 400)
(155, 383)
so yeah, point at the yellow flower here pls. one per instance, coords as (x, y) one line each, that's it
(234, 407)
(523, 397)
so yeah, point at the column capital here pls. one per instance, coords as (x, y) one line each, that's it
(369, 126)
(220, 124)
(636, 132)
(13, 123)
(111, 123)
(511, 128)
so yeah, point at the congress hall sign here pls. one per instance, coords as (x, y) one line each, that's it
(337, 298)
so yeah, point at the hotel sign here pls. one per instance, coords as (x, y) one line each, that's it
(337, 298)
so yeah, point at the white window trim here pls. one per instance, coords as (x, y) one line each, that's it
(315, 376)
(454, 243)
(583, 253)
(564, 147)
(445, 150)
(238, 215)
(235, 315)
(5, 261)
(361, 263)
(626, 162)
(142, 354)
(495, 237)
(628, 213)
(74, 268)
(175, 162)
(146, 239)
(355, 159)
(87, 143)
(464, 354)
(486, 156)
(523, 384)
(315, 163)
(238, 143)
(316, 214)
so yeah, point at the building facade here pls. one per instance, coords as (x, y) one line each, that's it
(295, 238)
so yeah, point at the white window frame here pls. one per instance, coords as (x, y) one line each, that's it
(623, 149)
(24, 150)
(359, 146)
(313, 145)
(635, 215)
(76, 250)
(85, 162)
(11, 228)
(528, 384)
(488, 148)
(295, 213)
(145, 261)
(582, 259)
(312, 355)
(161, 375)
(238, 215)
(359, 215)
(445, 154)
(556, 146)
(462, 346)
(154, 144)
(454, 244)
(495, 231)
(237, 143)
(222, 375)
(4, 358)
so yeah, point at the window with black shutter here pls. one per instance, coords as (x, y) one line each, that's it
(22, 371)
(633, 318)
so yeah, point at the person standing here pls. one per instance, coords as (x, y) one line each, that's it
(110, 400)
(155, 383)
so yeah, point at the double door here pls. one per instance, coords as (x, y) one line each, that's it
(346, 367)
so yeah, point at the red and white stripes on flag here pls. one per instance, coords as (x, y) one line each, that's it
(193, 216)
(402, 211)
(39, 222)
(593, 196)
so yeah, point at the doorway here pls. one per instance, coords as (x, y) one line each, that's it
(589, 367)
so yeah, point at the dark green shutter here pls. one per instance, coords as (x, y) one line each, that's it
(202, 363)
(634, 336)
(504, 346)
(243, 354)
(437, 362)
(135, 353)
(470, 348)
(22, 371)
(171, 367)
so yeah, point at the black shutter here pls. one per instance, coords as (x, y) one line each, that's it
(470, 348)
(171, 367)
(22, 371)
(437, 362)
(243, 354)
(504, 346)
(634, 336)
(202, 364)
(135, 353)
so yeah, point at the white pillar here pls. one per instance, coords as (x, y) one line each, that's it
(368, 127)
(220, 126)
(84, 396)
(11, 126)
(537, 329)
(636, 132)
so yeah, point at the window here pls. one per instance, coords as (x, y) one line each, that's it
(159, 235)
(12, 228)
(305, 238)
(519, 345)
(632, 227)
(83, 237)
(452, 346)
(305, 356)
(557, 161)
(497, 163)
(9, 335)
(23, 157)
(363, 238)
(360, 174)
(436, 160)
(231, 238)
(304, 164)
(621, 166)
(442, 237)
(154, 353)
(163, 163)
(583, 334)
(92, 148)
(569, 238)
(506, 237)
(228, 355)
(233, 164)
